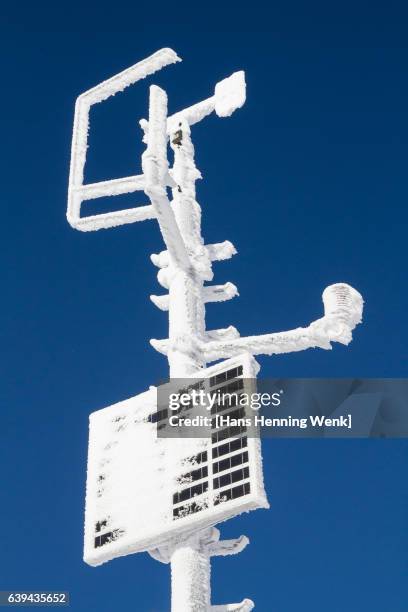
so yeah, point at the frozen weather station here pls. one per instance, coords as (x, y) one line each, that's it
(165, 495)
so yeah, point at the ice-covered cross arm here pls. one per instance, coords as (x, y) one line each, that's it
(245, 606)
(229, 95)
(78, 192)
(206, 544)
(343, 307)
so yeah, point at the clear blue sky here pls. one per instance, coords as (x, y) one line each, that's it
(308, 180)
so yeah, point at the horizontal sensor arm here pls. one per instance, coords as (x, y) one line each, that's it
(343, 307)
(245, 606)
(229, 95)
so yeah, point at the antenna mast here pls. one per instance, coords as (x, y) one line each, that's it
(184, 267)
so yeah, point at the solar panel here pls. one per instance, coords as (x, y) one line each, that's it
(144, 489)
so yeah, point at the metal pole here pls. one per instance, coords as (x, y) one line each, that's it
(190, 578)
(186, 304)
(181, 228)
(190, 563)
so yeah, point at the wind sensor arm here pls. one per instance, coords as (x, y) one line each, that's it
(229, 95)
(343, 307)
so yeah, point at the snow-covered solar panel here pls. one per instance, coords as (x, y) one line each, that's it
(143, 489)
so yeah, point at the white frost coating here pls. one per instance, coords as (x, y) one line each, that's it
(128, 453)
(215, 293)
(208, 539)
(155, 170)
(130, 479)
(129, 76)
(343, 311)
(188, 346)
(190, 578)
(223, 334)
(161, 346)
(221, 250)
(226, 548)
(220, 293)
(245, 606)
(344, 303)
(190, 559)
(97, 94)
(186, 306)
(161, 301)
(191, 115)
(115, 219)
(216, 252)
(133, 474)
(127, 184)
(230, 94)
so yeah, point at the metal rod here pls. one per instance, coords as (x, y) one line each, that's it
(190, 563)
(190, 578)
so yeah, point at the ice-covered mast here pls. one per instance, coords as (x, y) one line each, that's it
(184, 268)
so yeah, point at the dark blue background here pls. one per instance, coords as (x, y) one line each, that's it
(308, 180)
